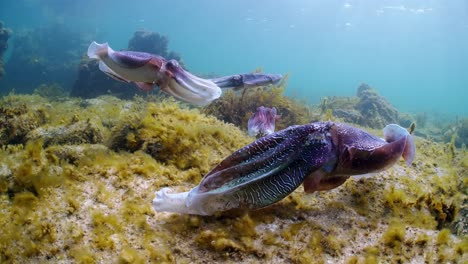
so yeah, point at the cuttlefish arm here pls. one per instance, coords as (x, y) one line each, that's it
(188, 87)
(359, 152)
(255, 176)
(147, 70)
(239, 81)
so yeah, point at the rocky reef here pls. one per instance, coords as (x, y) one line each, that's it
(368, 109)
(92, 82)
(43, 55)
(77, 178)
(5, 34)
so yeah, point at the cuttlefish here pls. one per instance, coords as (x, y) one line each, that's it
(247, 80)
(262, 122)
(320, 156)
(147, 70)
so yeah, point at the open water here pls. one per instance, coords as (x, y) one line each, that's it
(413, 52)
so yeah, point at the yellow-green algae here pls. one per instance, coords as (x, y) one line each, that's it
(91, 202)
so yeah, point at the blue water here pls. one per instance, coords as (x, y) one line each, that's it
(414, 52)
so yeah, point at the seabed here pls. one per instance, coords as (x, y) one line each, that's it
(77, 178)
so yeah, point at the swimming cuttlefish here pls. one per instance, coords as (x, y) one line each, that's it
(320, 156)
(247, 80)
(147, 70)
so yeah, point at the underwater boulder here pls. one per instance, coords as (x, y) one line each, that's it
(17, 119)
(375, 109)
(368, 108)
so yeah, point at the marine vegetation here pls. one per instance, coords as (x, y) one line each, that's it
(5, 34)
(236, 107)
(368, 109)
(320, 156)
(91, 202)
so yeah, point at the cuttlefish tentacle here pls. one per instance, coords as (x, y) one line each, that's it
(255, 176)
(200, 91)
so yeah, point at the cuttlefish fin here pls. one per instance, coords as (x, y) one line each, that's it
(144, 86)
(395, 132)
(103, 67)
(96, 50)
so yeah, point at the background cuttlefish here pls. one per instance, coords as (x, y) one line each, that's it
(321, 156)
(262, 122)
(146, 70)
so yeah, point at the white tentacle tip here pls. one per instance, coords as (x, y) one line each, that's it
(166, 201)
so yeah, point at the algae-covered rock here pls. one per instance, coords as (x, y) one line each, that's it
(181, 137)
(376, 111)
(18, 118)
(81, 132)
(368, 109)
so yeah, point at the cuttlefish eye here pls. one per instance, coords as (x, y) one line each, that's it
(172, 65)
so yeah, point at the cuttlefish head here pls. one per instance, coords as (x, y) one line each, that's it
(360, 152)
(262, 122)
(188, 87)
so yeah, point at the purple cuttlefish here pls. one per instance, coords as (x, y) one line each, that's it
(262, 122)
(320, 156)
(146, 70)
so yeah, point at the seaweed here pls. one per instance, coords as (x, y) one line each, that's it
(90, 202)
